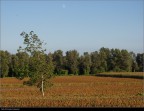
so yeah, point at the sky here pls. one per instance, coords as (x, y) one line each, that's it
(66, 25)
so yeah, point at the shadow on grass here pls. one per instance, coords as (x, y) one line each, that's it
(120, 76)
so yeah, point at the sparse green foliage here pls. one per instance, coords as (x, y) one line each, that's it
(40, 69)
(32, 42)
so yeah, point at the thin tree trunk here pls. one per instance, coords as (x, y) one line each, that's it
(42, 87)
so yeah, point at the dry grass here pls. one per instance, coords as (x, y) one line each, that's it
(75, 91)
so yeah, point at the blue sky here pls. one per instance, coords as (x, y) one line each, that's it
(82, 25)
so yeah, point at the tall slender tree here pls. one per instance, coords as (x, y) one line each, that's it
(58, 60)
(96, 62)
(72, 61)
(134, 66)
(104, 55)
(4, 63)
(140, 61)
(125, 61)
(40, 71)
(85, 64)
(21, 65)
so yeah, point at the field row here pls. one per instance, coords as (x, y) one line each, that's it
(64, 102)
(74, 91)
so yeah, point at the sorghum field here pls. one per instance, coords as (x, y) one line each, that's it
(74, 91)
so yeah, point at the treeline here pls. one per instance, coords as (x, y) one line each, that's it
(104, 60)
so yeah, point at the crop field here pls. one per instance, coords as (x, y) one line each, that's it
(74, 91)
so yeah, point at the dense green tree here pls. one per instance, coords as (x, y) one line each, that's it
(115, 60)
(85, 64)
(80, 65)
(4, 63)
(140, 61)
(58, 61)
(96, 62)
(32, 62)
(14, 65)
(65, 66)
(104, 55)
(125, 61)
(50, 64)
(120, 60)
(72, 61)
(20, 65)
(134, 66)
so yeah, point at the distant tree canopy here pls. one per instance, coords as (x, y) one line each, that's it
(22, 64)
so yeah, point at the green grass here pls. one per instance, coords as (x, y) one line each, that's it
(11, 85)
(140, 94)
(136, 75)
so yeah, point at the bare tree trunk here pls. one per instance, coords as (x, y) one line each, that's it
(42, 87)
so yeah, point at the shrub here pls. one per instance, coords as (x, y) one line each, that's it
(64, 72)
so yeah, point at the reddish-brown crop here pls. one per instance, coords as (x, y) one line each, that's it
(75, 91)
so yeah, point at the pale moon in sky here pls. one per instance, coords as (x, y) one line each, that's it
(63, 6)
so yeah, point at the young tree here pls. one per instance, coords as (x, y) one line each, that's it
(40, 71)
